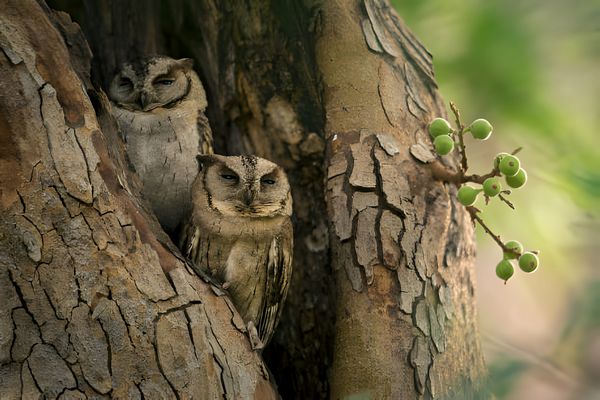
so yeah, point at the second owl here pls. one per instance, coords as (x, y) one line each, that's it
(240, 232)
(159, 104)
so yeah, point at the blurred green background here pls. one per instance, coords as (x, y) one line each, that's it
(532, 68)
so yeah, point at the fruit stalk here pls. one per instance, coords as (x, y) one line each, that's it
(476, 218)
(505, 200)
(461, 143)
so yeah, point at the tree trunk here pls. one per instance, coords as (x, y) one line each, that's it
(96, 299)
(403, 247)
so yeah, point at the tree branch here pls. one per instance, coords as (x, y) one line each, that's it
(476, 218)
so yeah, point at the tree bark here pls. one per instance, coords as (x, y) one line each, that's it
(403, 247)
(339, 93)
(95, 302)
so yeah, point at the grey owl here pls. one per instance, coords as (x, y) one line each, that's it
(159, 104)
(240, 233)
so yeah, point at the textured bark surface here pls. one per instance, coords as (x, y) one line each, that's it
(94, 301)
(402, 247)
(339, 93)
(256, 60)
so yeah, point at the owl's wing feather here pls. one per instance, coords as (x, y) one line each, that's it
(279, 270)
(189, 243)
(206, 139)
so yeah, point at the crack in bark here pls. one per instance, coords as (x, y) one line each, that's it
(91, 232)
(85, 159)
(20, 295)
(33, 170)
(14, 331)
(23, 206)
(37, 385)
(381, 205)
(109, 354)
(355, 264)
(189, 328)
(22, 388)
(182, 307)
(347, 187)
(389, 206)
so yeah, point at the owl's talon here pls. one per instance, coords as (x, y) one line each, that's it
(225, 285)
(255, 341)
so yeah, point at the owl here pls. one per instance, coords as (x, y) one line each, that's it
(240, 233)
(159, 104)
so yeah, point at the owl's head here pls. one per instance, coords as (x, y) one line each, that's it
(152, 82)
(244, 186)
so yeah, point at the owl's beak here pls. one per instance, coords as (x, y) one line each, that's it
(249, 196)
(144, 100)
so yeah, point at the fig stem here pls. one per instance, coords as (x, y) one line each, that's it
(505, 200)
(461, 143)
(476, 218)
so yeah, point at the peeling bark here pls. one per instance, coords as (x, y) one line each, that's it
(396, 289)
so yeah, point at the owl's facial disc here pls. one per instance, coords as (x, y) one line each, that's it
(244, 196)
(164, 89)
(123, 90)
(245, 186)
(262, 196)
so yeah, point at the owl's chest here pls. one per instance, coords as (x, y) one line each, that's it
(236, 252)
(152, 139)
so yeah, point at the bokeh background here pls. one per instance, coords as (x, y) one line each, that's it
(532, 68)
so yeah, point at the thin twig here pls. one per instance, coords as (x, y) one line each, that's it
(442, 173)
(515, 151)
(461, 143)
(473, 212)
(508, 202)
(480, 178)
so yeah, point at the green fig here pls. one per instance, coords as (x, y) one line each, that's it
(528, 262)
(513, 245)
(499, 158)
(491, 187)
(443, 144)
(518, 180)
(439, 126)
(467, 195)
(509, 165)
(504, 270)
(481, 129)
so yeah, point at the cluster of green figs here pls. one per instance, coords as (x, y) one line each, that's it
(528, 261)
(508, 165)
(514, 175)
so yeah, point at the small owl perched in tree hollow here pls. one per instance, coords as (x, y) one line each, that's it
(159, 105)
(240, 232)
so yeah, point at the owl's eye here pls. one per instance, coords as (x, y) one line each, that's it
(164, 82)
(229, 177)
(125, 83)
(268, 181)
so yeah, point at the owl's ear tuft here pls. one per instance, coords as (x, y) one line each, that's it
(204, 160)
(185, 63)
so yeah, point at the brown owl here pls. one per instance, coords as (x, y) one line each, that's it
(240, 233)
(159, 105)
